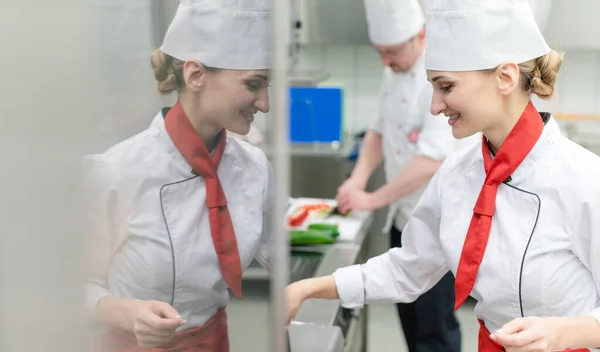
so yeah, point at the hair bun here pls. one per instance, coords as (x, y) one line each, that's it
(168, 72)
(544, 75)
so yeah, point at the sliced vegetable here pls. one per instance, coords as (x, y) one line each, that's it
(302, 213)
(336, 211)
(320, 206)
(311, 237)
(298, 217)
(333, 228)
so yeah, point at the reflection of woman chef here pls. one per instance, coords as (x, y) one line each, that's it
(514, 217)
(412, 143)
(178, 210)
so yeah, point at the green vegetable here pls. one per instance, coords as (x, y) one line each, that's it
(336, 211)
(311, 237)
(333, 228)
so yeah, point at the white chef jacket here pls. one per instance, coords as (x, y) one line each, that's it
(543, 254)
(408, 129)
(150, 231)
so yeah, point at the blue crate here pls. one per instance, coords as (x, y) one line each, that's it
(316, 114)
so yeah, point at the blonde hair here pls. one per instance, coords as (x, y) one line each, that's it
(168, 72)
(538, 76)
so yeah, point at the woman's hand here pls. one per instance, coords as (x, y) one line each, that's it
(153, 323)
(530, 335)
(295, 295)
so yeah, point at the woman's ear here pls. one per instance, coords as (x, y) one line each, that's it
(194, 75)
(507, 76)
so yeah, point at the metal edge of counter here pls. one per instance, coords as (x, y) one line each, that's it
(315, 338)
(324, 312)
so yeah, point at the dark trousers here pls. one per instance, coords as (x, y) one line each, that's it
(429, 323)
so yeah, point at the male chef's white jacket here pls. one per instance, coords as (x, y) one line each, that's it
(150, 234)
(408, 129)
(543, 254)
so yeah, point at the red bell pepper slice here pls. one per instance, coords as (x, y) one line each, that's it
(298, 217)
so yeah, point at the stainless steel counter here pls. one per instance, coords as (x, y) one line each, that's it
(339, 255)
(315, 338)
(322, 325)
(321, 150)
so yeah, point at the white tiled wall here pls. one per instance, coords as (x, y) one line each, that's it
(358, 70)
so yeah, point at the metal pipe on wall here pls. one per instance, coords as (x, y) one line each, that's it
(277, 136)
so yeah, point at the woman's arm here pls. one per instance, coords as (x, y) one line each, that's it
(585, 331)
(579, 332)
(262, 257)
(101, 237)
(400, 275)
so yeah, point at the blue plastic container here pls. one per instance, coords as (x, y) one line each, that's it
(316, 114)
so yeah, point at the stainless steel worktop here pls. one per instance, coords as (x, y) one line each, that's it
(322, 325)
(339, 255)
(315, 338)
(321, 150)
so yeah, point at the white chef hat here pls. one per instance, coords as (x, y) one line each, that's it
(228, 34)
(468, 35)
(392, 22)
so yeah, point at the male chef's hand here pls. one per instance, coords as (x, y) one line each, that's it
(529, 335)
(349, 185)
(154, 323)
(356, 199)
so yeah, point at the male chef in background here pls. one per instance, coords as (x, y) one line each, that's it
(412, 143)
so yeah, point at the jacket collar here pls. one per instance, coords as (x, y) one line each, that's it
(549, 137)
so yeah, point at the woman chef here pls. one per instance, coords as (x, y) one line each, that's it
(525, 196)
(178, 209)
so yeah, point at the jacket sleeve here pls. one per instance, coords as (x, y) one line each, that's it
(401, 274)
(586, 240)
(376, 124)
(262, 257)
(101, 237)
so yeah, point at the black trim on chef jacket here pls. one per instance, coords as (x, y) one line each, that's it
(164, 112)
(162, 209)
(545, 118)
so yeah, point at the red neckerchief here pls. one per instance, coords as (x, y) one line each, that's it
(191, 146)
(513, 151)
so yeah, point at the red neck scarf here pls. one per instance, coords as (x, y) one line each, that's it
(513, 151)
(189, 144)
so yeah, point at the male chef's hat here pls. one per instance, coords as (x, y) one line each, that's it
(467, 35)
(392, 22)
(228, 34)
